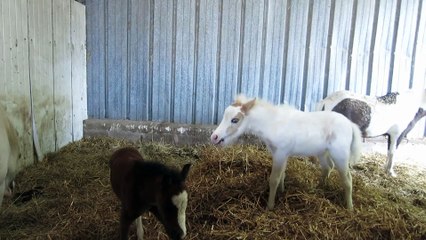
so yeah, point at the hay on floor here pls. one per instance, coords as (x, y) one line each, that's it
(228, 188)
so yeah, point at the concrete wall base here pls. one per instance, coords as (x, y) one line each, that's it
(165, 132)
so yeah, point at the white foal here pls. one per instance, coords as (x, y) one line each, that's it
(287, 131)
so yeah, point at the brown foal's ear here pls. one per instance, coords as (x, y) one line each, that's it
(185, 170)
(248, 105)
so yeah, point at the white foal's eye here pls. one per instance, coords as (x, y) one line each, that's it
(235, 120)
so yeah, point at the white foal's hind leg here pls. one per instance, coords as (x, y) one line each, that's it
(341, 161)
(391, 150)
(326, 166)
(277, 177)
(139, 228)
(347, 184)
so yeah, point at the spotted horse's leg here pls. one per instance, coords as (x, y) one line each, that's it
(390, 155)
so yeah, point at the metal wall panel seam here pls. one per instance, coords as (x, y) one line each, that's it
(151, 53)
(128, 73)
(195, 70)
(218, 55)
(285, 52)
(351, 44)
(394, 38)
(328, 52)
(263, 49)
(106, 59)
(306, 57)
(173, 64)
(372, 46)
(414, 52)
(241, 49)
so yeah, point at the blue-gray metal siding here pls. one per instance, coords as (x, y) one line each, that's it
(184, 60)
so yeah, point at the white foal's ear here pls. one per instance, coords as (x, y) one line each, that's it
(248, 105)
(239, 100)
(237, 103)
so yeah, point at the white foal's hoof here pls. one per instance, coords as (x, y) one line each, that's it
(280, 188)
(392, 173)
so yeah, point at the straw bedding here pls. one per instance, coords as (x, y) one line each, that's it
(228, 188)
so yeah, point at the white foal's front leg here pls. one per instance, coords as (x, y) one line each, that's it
(281, 182)
(139, 228)
(3, 173)
(389, 165)
(276, 178)
(2, 191)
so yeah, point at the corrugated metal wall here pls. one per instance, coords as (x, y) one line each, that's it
(184, 60)
(43, 72)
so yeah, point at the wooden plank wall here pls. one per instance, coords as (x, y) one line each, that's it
(43, 72)
(184, 60)
(14, 72)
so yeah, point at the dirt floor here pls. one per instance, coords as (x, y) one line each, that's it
(68, 195)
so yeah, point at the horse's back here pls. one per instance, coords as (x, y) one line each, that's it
(334, 98)
(125, 155)
(316, 122)
(311, 133)
(332, 125)
(121, 164)
(328, 117)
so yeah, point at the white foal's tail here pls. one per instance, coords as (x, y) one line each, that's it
(355, 145)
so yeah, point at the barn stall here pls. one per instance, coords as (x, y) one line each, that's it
(228, 190)
(164, 71)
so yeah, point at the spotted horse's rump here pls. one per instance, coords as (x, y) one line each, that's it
(392, 115)
(357, 111)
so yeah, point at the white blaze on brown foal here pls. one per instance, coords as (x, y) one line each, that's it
(287, 131)
(181, 202)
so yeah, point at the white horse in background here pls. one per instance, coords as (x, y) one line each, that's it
(287, 131)
(9, 154)
(393, 114)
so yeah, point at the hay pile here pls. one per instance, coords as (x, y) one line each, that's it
(228, 189)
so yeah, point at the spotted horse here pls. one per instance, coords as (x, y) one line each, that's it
(393, 115)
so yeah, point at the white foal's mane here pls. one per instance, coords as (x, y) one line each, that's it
(242, 99)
